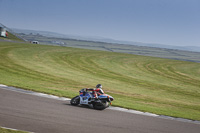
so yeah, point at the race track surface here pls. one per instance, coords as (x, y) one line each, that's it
(45, 115)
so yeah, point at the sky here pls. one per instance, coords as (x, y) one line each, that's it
(170, 22)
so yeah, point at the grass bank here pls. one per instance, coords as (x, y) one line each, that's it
(156, 85)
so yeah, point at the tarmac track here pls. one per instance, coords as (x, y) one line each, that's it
(45, 115)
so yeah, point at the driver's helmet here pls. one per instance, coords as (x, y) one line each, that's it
(99, 86)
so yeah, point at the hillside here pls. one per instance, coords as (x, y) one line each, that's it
(106, 40)
(150, 84)
(114, 47)
(12, 37)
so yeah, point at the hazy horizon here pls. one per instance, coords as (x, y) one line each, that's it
(167, 22)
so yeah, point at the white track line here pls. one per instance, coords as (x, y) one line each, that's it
(16, 129)
(111, 107)
(33, 93)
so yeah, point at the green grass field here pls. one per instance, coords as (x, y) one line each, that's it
(120, 48)
(157, 85)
